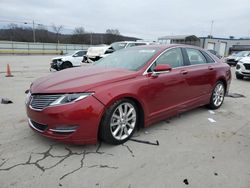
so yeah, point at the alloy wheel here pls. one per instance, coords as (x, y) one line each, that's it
(218, 94)
(123, 121)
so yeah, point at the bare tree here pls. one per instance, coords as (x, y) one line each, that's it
(57, 30)
(79, 31)
(113, 31)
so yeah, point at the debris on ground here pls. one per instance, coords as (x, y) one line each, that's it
(146, 142)
(6, 101)
(211, 120)
(216, 174)
(235, 95)
(185, 181)
(211, 111)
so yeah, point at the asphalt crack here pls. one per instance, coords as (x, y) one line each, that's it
(129, 149)
(73, 171)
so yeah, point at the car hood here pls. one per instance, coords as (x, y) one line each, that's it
(245, 60)
(61, 57)
(79, 80)
(236, 58)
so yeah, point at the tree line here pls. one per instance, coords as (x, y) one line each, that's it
(14, 32)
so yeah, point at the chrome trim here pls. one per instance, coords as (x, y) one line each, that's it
(146, 71)
(31, 124)
(62, 131)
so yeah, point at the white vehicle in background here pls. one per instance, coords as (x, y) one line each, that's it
(243, 68)
(68, 61)
(233, 59)
(98, 52)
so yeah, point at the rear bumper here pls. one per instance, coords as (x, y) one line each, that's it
(84, 116)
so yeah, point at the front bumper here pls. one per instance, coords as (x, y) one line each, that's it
(243, 70)
(84, 115)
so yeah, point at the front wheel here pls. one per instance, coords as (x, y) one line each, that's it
(217, 96)
(119, 122)
(238, 76)
(66, 65)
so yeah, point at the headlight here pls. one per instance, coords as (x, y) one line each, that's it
(68, 98)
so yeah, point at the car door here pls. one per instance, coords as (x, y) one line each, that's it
(167, 90)
(199, 73)
(78, 57)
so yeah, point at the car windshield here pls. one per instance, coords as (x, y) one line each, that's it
(130, 59)
(241, 54)
(118, 45)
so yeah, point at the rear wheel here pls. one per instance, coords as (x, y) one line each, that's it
(119, 122)
(218, 95)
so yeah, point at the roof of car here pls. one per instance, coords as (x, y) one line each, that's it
(165, 46)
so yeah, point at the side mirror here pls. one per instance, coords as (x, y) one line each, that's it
(161, 68)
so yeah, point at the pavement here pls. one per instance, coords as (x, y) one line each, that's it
(199, 148)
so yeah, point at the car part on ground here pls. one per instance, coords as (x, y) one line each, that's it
(130, 89)
(243, 68)
(68, 61)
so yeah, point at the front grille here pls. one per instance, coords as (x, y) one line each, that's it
(231, 60)
(38, 126)
(39, 102)
(247, 73)
(247, 66)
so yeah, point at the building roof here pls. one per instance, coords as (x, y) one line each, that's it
(179, 37)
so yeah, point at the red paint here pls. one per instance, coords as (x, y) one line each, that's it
(160, 96)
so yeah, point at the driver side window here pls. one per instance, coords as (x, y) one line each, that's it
(172, 57)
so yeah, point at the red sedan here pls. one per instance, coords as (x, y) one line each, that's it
(130, 89)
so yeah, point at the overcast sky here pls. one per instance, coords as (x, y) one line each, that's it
(147, 19)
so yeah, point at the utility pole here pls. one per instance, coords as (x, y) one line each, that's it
(211, 30)
(34, 32)
(91, 39)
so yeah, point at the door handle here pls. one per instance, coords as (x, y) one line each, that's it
(210, 68)
(184, 72)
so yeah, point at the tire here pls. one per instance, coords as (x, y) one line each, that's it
(119, 122)
(240, 77)
(66, 65)
(217, 96)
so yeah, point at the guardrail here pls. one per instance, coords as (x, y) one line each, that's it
(12, 47)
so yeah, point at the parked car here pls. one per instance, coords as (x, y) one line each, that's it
(215, 53)
(243, 68)
(68, 61)
(129, 89)
(98, 52)
(233, 59)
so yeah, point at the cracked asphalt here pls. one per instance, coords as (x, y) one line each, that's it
(188, 150)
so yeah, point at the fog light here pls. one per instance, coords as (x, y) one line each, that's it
(65, 129)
